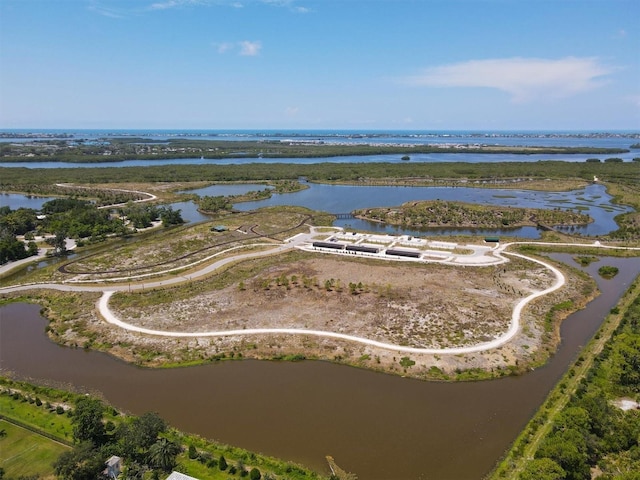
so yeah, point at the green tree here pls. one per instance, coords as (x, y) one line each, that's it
(193, 453)
(542, 469)
(140, 215)
(87, 421)
(222, 463)
(569, 450)
(32, 249)
(19, 221)
(59, 243)
(163, 453)
(134, 471)
(81, 463)
(10, 247)
(255, 474)
(137, 437)
(169, 217)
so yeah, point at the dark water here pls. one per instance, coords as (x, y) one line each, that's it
(378, 426)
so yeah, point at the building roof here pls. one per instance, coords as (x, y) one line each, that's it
(180, 476)
(114, 460)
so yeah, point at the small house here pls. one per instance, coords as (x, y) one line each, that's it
(114, 467)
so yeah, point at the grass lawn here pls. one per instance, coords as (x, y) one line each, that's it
(23, 452)
(38, 417)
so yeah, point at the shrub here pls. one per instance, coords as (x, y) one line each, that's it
(255, 474)
(607, 271)
(406, 362)
(193, 453)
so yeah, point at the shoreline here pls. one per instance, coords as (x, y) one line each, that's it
(110, 317)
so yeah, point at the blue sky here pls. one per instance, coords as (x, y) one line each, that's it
(320, 64)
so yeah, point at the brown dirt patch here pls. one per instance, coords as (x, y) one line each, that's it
(417, 305)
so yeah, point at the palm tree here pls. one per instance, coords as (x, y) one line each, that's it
(163, 453)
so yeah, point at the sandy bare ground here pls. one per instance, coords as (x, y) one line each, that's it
(421, 305)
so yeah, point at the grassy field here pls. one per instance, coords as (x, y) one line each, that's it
(37, 417)
(24, 453)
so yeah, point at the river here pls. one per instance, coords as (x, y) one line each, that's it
(378, 426)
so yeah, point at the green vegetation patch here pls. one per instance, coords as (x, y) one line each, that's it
(23, 407)
(582, 427)
(25, 453)
(436, 213)
(585, 260)
(117, 150)
(607, 271)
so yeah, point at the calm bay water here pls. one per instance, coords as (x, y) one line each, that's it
(621, 140)
(378, 426)
(423, 158)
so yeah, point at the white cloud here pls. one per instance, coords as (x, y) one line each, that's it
(246, 48)
(96, 7)
(291, 111)
(168, 4)
(622, 33)
(223, 47)
(525, 79)
(176, 3)
(290, 4)
(635, 100)
(250, 49)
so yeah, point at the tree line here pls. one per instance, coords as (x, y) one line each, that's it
(28, 180)
(115, 150)
(437, 213)
(63, 218)
(592, 432)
